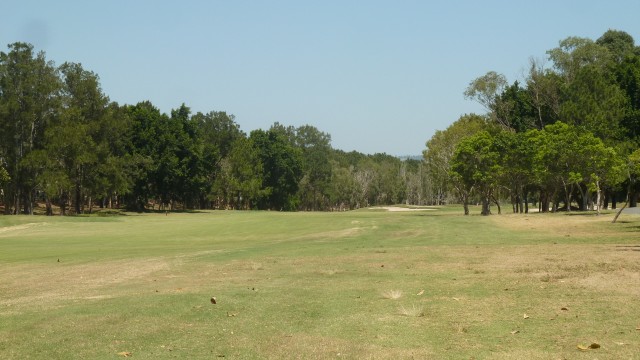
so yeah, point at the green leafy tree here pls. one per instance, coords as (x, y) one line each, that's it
(568, 158)
(487, 91)
(217, 132)
(315, 147)
(29, 86)
(439, 154)
(239, 183)
(574, 53)
(544, 88)
(476, 164)
(147, 127)
(517, 109)
(516, 161)
(72, 139)
(282, 168)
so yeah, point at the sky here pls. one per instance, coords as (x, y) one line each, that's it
(378, 76)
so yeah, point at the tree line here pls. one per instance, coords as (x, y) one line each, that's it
(567, 136)
(64, 146)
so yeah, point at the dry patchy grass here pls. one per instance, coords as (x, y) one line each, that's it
(319, 297)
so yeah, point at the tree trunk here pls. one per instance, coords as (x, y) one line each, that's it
(486, 210)
(586, 197)
(598, 197)
(78, 199)
(615, 218)
(49, 210)
(26, 204)
(544, 201)
(567, 193)
(63, 204)
(613, 201)
(497, 204)
(16, 207)
(465, 204)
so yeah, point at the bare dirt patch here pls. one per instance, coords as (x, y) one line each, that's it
(45, 286)
(578, 225)
(10, 229)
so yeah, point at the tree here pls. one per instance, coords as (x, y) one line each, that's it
(544, 87)
(147, 126)
(315, 147)
(217, 132)
(595, 103)
(516, 110)
(568, 158)
(29, 86)
(439, 154)
(282, 165)
(619, 43)
(574, 53)
(516, 162)
(239, 183)
(73, 137)
(487, 90)
(117, 168)
(476, 164)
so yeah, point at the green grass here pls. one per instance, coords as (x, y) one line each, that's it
(319, 285)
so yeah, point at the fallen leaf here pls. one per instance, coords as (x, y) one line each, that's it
(213, 300)
(420, 293)
(125, 353)
(231, 314)
(515, 332)
(620, 343)
(456, 299)
(564, 309)
(592, 346)
(525, 316)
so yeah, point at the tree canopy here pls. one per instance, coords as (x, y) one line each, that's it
(562, 135)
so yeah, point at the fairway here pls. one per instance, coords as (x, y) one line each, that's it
(370, 284)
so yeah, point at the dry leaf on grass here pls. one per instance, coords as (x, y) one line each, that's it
(592, 346)
(420, 293)
(515, 332)
(125, 353)
(525, 316)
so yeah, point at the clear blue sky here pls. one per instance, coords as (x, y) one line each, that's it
(379, 76)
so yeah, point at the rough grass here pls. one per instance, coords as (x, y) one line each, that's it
(309, 285)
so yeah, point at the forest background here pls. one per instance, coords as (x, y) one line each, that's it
(565, 134)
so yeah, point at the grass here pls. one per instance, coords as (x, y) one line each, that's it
(392, 294)
(309, 285)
